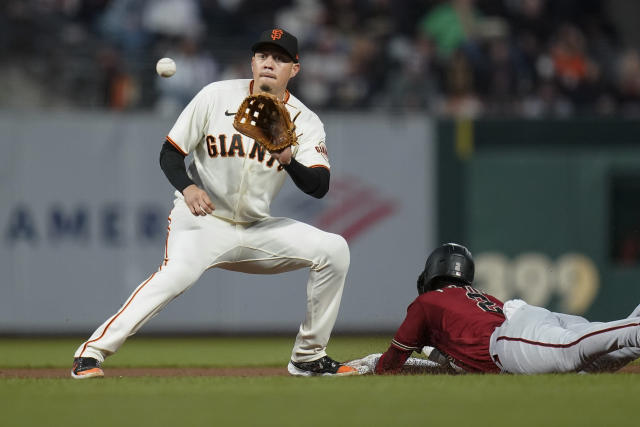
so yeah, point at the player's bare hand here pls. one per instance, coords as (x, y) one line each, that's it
(198, 200)
(282, 156)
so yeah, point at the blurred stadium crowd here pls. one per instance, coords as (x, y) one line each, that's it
(531, 58)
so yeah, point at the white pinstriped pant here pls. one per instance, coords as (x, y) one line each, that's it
(269, 246)
(535, 340)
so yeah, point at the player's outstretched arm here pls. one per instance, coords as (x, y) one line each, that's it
(412, 365)
(365, 365)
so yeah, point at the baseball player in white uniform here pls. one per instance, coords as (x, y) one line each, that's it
(221, 215)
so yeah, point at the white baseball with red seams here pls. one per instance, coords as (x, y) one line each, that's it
(166, 67)
(241, 179)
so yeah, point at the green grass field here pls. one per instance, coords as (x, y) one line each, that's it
(471, 400)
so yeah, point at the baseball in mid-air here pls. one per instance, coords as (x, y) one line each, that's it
(166, 67)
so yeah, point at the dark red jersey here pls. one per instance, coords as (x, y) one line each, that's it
(457, 320)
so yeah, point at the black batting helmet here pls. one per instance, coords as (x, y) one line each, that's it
(450, 261)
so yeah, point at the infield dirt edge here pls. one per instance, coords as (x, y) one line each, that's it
(177, 372)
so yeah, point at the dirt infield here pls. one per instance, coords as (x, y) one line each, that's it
(178, 372)
(149, 372)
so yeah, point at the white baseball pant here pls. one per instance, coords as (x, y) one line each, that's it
(535, 340)
(268, 246)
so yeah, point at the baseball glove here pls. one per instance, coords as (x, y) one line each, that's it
(265, 118)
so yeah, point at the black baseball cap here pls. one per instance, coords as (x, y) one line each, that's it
(280, 38)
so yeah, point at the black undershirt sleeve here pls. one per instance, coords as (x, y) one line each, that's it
(172, 164)
(313, 181)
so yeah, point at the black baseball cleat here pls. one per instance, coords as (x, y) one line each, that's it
(324, 366)
(86, 367)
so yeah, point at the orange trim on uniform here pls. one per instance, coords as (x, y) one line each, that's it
(251, 87)
(166, 244)
(320, 166)
(166, 260)
(118, 314)
(172, 142)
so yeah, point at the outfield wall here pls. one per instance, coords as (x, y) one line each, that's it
(83, 222)
(551, 210)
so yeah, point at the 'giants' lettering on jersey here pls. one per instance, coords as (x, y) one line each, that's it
(219, 147)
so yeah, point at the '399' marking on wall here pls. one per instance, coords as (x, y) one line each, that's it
(571, 281)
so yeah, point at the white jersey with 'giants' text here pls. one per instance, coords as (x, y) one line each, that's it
(238, 174)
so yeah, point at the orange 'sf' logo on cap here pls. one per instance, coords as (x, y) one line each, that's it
(276, 34)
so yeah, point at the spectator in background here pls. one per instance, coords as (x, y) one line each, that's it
(513, 56)
(530, 30)
(196, 68)
(345, 16)
(304, 18)
(347, 50)
(121, 26)
(119, 90)
(574, 71)
(222, 16)
(414, 86)
(362, 78)
(500, 81)
(450, 25)
(461, 99)
(371, 52)
(326, 58)
(628, 82)
(173, 18)
(235, 69)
